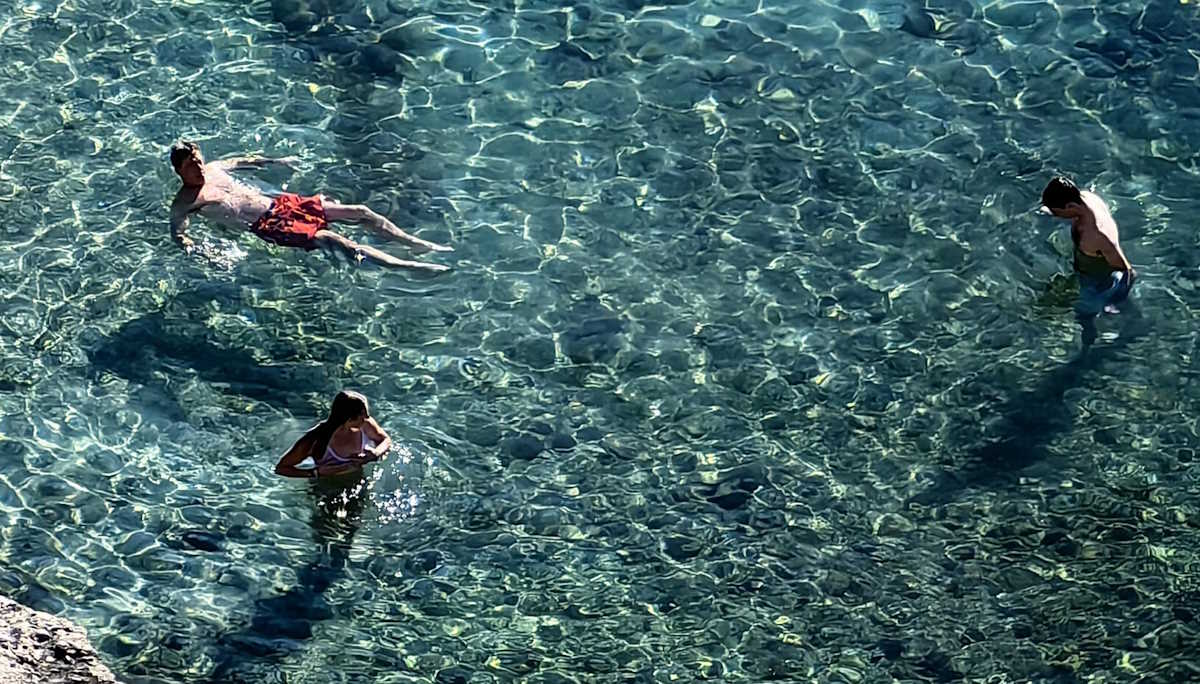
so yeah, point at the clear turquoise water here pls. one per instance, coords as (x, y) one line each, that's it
(755, 364)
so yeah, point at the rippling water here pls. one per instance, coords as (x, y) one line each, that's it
(755, 363)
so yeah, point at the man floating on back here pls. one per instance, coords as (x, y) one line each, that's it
(289, 220)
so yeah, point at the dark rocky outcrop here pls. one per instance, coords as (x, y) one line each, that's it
(38, 647)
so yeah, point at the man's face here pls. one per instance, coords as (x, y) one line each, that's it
(191, 170)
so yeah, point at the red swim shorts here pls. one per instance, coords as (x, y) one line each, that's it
(292, 221)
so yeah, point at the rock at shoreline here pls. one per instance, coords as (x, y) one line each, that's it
(38, 647)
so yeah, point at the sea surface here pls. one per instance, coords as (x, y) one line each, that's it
(756, 362)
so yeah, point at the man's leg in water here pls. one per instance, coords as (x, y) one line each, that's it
(328, 238)
(1097, 296)
(361, 214)
(1088, 325)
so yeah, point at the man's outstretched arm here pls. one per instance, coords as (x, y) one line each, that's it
(248, 163)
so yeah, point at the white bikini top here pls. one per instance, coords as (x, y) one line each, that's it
(331, 457)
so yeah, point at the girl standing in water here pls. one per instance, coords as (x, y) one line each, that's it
(341, 444)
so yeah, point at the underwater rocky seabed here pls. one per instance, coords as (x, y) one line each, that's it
(755, 364)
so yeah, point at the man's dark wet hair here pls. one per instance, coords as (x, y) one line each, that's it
(181, 151)
(1059, 192)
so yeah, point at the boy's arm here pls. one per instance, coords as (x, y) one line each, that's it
(1115, 257)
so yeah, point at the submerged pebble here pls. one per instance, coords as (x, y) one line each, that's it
(202, 541)
(524, 447)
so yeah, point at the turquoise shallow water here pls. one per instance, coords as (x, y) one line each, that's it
(755, 363)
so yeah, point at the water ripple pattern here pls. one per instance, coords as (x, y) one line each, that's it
(756, 363)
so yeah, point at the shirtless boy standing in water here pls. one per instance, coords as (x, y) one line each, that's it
(288, 220)
(1105, 275)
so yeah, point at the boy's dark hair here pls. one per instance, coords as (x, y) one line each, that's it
(1059, 192)
(181, 151)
